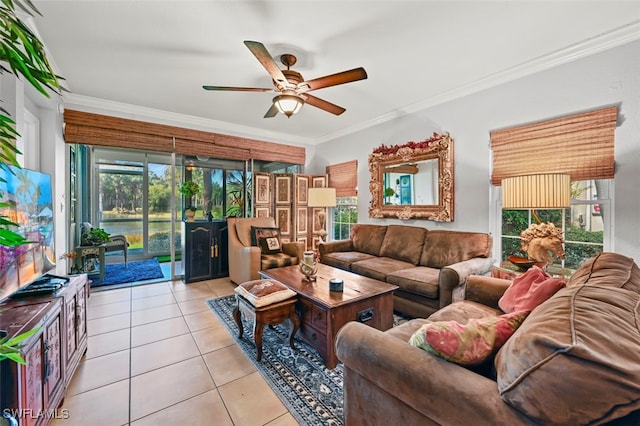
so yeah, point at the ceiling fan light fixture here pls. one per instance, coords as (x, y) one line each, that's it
(288, 104)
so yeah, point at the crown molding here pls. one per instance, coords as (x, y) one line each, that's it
(135, 112)
(619, 36)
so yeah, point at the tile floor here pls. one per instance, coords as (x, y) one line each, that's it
(157, 355)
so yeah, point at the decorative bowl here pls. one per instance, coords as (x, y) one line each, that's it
(523, 263)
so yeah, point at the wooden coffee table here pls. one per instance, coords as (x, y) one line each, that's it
(322, 312)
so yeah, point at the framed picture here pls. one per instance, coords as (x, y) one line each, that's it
(318, 219)
(319, 182)
(315, 242)
(262, 189)
(283, 219)
(262, 211)
(303, 240)
(283, 189)
(285, 240)
(302, 189)
(301, 219)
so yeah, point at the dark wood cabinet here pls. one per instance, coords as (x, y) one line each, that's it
(204, 250)
(33, 392)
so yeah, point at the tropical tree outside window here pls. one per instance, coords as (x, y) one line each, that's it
(345, 215)
(584, 224)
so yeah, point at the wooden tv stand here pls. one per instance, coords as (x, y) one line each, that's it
(33, 393)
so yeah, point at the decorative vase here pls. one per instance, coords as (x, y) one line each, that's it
(191, 215)
(309, 266)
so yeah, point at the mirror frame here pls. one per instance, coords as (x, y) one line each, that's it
(438, 146)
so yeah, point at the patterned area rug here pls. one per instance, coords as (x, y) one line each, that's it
(310, 391)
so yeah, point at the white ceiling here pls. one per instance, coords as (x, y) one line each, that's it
(152, 57)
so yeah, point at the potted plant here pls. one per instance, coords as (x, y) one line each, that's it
(95, 237)
(189, 189)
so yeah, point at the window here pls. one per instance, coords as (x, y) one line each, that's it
(345, 215)
(585, 224)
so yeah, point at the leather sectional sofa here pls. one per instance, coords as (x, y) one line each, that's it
(425, 265)
(573, 361)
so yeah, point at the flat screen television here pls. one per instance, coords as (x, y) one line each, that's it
(26, 199)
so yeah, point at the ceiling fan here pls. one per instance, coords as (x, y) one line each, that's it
(293, 89)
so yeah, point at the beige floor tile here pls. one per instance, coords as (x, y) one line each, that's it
(162, 353)
(201, 320)
(107, 324)
(104, 406)
(97, 298)
(212, 338)
(103, 370)
(152, 301)
(146, 316)
(161, 388)
(159, 330)
(222, 287)
(192, 294)
(193, 306)
(108, 309)
(202, 410)
(251, 401)
(285, 420)
(148, 290)
(228, 364)
(107, 343)
(179, 286)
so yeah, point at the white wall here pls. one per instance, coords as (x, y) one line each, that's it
(607, 78)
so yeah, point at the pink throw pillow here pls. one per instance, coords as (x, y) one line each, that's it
(529, 290)
(470, 343)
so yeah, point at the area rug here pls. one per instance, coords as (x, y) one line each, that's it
(118, 273)
(311, 392)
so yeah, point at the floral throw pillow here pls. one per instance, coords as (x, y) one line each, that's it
(467, 344)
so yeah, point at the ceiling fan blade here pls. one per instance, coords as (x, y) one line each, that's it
(322, 104)
(333, 80)
(271, 112)
(238, 89)
(264, 57)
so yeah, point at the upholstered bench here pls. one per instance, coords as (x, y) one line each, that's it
(266, 302)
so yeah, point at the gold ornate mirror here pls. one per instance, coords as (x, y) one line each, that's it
(414, 180)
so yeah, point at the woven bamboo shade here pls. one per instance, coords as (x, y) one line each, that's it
(96, 129)
(581, 145)
(547, 191)
(344, 178)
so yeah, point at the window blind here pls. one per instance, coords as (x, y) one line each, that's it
(344, 178)
(581, 145)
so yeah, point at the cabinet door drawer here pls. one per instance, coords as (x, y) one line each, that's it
(312, 315)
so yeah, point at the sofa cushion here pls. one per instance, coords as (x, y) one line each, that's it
(264, 292)
(368, 238)
(379, 267)
(270, 245)
(463, 311)
(243, 227)
(344, 259)
(403, 243)
(258, 232)
(610, 269)
(575, 359)
(444, 248)
(469, 343)
(417, 280)
(529, 290)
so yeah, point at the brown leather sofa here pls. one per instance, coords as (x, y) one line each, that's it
(573, 361)
(247, 260)
(425, 265)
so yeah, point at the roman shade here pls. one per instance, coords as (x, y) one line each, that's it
(96, 129)
(344, 178)
(581, 145)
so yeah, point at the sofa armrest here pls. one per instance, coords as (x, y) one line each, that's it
(441, 391)
(485, 290)
(326, 247)
(294, 248)
(456, 274)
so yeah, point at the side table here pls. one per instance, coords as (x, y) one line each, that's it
(84, 251)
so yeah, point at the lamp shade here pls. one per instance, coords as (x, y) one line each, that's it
(544, 191)
(322, 197)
